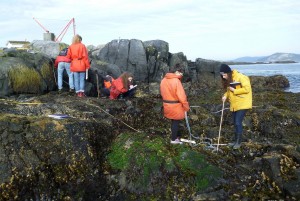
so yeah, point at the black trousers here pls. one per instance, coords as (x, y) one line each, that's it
(175, 129)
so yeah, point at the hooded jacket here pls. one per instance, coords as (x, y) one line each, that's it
(117, 87)
(241, 98)
(174, 98)
(78, 54)
(108, 82)
(61, 59)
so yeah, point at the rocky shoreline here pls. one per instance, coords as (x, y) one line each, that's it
(120, 150)
(103, 150)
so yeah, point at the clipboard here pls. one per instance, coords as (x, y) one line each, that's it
(133, 87)
(235, 85)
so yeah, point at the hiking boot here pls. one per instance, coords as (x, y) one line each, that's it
(237, 146)
(60, 91)
(238, 141)
(72, 90)
(177, 141)
(231, 144)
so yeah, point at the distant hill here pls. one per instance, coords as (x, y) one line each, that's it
(277, 57)
(248, 59)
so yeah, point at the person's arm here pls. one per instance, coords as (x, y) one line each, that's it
(86, 57)
(182, 96)
(246, 86)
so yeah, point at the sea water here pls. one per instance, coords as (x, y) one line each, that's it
(290, 71)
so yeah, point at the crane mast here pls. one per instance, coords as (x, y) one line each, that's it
(63, 32)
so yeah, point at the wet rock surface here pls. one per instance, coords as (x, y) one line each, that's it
(120, 150)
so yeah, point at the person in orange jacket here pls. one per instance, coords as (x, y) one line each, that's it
(80, 63)
(107, 82)
(175, 102)
(122, 86)
(61, 63)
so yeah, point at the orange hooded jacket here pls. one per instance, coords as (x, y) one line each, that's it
(107, 83)
(174, 98)
(80, 60)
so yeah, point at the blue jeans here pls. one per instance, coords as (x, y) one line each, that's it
(79, 81)
(238, 117)
(60, 72)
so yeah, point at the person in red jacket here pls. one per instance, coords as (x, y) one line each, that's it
(122, 86)
(62, 63)
(175, 102)
(80, 63)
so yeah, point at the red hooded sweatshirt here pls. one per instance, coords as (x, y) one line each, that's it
(117, 87)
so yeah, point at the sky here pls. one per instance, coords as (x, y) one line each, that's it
(210, 29)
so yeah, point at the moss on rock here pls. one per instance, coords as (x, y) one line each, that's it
(147, 162)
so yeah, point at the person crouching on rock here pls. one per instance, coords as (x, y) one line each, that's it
(80, 63)
(239, 93)
(175, 102)
(122, 87)
(107, 81)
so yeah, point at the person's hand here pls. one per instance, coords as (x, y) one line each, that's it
(231, 89)
(224, 98)
(131, 86)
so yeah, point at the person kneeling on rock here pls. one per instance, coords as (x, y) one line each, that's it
(122, 87)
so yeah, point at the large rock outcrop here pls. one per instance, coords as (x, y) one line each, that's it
(22, 72)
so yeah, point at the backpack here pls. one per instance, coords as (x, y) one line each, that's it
(63, 52)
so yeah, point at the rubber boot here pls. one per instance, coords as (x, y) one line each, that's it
(231, 144)
(238, 141)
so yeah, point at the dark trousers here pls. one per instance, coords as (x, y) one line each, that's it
(238, 117)
(129, 93)
(105, 92)
(174, 129)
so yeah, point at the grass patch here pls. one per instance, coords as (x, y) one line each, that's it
(24, 79)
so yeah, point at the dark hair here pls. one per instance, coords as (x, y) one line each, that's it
(226, 82)
(177, 67)
(63, 52)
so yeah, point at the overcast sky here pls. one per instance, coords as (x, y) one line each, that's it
(209, 29)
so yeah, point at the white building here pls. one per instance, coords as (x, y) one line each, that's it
(18, 44)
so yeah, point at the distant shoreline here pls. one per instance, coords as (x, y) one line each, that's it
(248, 63)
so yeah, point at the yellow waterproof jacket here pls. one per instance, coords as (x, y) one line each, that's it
(241, 98)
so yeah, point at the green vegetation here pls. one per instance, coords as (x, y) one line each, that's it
(148, 161)
(24, 79)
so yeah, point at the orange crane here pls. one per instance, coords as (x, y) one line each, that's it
(63, 32)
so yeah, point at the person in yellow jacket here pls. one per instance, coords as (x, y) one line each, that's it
(175, 102)
(239, 94)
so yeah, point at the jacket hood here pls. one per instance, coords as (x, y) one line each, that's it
(172, 75)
